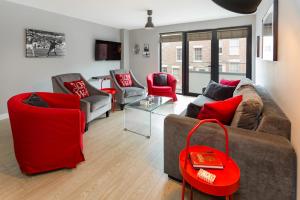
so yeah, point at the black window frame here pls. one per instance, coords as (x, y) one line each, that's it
(214, 55)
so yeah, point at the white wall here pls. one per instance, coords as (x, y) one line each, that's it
(142, 66)
(282, 78)
(19, 74)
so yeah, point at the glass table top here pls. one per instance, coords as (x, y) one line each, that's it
(148, 103)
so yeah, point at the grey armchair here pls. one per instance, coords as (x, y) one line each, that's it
(127, 94)
(95, 105)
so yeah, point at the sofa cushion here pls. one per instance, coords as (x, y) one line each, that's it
(160, 79)
(243, 83)
(192, 110)
(97, 101)
(77, 87)
(124, 80)
(218, 91)
(248, 112)
(36, 100)
(133, 91)
(233, 83)
(162, 89)
(220, 110)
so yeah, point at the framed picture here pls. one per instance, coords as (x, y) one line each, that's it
(146, 52)
(44, 44)
(270, 33)
(258, 46)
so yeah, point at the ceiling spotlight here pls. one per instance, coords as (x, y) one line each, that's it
(149, 24)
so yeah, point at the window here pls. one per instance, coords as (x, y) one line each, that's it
(220, 47)
(164, 68)
(234, 67)
(175, 72)
(197, 54)
(234, 47)
(178, 54)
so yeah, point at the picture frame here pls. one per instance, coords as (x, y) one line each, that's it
(146, 51)
(41, 43)
(270, 33)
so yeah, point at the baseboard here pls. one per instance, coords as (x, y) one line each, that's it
(3, 116)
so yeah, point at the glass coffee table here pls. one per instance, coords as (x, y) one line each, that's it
(137, 117)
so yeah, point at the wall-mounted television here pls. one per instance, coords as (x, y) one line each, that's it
(107, 50)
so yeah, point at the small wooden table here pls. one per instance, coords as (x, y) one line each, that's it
(227, 180)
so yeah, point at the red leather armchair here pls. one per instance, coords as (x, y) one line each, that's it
(167, 91)
(47, 138)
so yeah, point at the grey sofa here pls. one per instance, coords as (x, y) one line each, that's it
(97, 104)
(265, 154)
(127, 94)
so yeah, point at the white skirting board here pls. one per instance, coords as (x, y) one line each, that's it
(4, 116)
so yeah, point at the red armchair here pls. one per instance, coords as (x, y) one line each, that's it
(47, 138)
(167, 91)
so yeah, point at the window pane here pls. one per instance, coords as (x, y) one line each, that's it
(199, 65)
(171, 57)
(232, 61)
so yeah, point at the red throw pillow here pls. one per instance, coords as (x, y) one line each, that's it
(124, 80)
(221, 110)
(230, 82)
(77, 87)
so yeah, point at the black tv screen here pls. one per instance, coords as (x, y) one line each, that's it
(107, 50)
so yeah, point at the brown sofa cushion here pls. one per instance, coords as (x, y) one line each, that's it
(248, 112)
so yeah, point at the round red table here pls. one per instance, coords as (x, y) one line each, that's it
(227, 180)
(113, 92)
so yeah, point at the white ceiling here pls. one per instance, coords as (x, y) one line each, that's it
(131, 14)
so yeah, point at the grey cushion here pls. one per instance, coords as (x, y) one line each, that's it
(133, 91)
(218, 91)
(248, 112)
(36, 100)
(97, 101)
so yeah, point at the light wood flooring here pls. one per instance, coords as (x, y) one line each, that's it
(119, 165)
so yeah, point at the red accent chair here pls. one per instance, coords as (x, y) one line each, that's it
(47, 138)
(167, 91)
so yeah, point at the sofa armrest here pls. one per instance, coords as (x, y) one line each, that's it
(264, 159)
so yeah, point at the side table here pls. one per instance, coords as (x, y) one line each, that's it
(227, 180)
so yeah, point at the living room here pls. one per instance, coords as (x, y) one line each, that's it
(134, 79)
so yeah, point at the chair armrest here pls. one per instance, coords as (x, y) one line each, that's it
(260, 156)
(60, 100)
(136, 83)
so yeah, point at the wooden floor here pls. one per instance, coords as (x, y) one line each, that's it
(119, 165)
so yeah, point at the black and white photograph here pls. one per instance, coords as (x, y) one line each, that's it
(146, 52)
(44, 43)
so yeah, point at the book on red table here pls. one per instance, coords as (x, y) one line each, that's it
(205, 160)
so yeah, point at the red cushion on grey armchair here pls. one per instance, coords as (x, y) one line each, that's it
(124, 80)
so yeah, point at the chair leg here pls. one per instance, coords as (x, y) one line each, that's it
(107, 114)
(183, 189)
(122, 106)
(86, 127)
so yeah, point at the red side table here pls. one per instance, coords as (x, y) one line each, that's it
(113, 92)
(227, 180)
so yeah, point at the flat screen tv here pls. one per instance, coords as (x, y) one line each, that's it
(107, 50)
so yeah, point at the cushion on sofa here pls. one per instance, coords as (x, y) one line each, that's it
(220, 110)
(248, 112)
(233, 83)
(218, 91)
(192, 110)
(133, 91)
(160, 79)
(97, 101)
(243, 83)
